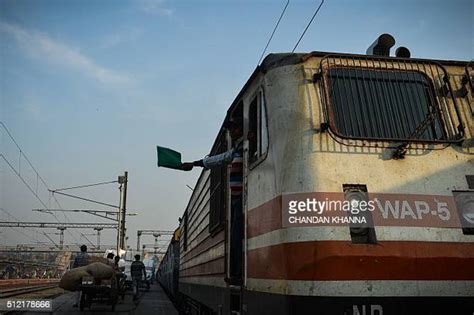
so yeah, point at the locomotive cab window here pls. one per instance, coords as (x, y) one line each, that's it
(258, 131)
(383, 105)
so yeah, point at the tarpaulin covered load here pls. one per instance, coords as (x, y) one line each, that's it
(93, 259)
(100, 271)
(72, 279)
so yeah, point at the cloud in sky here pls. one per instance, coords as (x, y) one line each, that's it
(41, 45)
(155, 7)
(120, 38)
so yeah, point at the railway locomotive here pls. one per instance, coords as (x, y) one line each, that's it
(333, 132)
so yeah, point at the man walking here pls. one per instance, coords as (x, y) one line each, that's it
(137, 269)
(82, 259)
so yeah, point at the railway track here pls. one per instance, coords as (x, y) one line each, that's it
(10, 292)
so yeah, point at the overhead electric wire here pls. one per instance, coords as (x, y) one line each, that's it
(83, 186)
(23, 180)
(83, 235)
(307, 26)
(274, 30)
(85, 199)
(29, 162)
(24, 155)
(37, 176)
(33, 192)
(20, 231)
(49, 238)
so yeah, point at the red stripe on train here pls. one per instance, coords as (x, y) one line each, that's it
(265, 218)
(342, 260)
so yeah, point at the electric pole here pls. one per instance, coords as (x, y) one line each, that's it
(156, 235)
(151, 232)
(139, 234)
(98, 236)
(123, 180)
(61, 236)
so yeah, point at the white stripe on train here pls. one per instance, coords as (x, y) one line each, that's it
(341, 233)
(366, 288)
(374, 288)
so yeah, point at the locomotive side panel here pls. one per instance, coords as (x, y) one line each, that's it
(202, 253)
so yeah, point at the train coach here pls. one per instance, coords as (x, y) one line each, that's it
(168, 270)
(358, 192)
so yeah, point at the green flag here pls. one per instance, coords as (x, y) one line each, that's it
(168, 158)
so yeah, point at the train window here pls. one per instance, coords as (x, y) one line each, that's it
(383, 105)
(258, 129)
(218, 189)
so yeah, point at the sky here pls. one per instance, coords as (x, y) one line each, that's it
(89, 88)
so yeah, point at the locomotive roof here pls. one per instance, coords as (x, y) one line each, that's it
(276, 60)
(283, 59)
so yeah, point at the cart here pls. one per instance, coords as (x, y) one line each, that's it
(104, 291)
